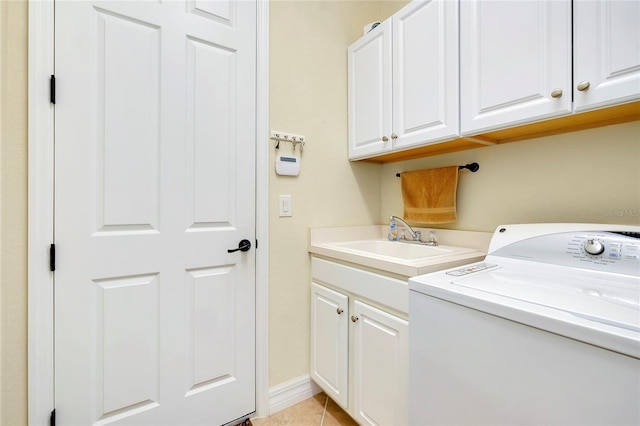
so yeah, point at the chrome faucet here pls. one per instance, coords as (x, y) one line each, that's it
(415, 235)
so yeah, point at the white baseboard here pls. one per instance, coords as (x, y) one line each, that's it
(290, 393)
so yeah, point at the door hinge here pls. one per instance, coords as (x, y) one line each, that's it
(52, 89)
(52, 418)
(52, 257)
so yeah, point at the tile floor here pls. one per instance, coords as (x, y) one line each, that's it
(319, 410)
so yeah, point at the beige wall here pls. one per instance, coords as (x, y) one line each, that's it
(13, 212)
(587, 176)
(308, 96)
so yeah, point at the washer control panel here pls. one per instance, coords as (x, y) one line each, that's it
(609, 251)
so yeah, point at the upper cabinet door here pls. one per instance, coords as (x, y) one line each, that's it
(425, 73)
(515, 62)
(606, 52)
(369, 98)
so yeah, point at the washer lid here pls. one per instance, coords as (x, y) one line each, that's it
(616, 303)
(596, 308)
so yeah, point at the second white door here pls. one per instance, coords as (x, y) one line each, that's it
(155, 182)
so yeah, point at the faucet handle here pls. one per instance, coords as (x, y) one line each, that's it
(418, 234)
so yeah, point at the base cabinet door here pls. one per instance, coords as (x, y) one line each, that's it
(330, 342)
(606, 49)
(380, 347)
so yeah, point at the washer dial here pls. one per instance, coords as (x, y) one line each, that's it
(593, 247)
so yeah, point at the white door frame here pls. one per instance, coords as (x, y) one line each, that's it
(41, 208)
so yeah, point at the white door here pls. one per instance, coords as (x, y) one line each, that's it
(369, 93)
(606, 52)
(330, 342)
(515, 62)
(380, 364)
(155, 181)
(425, 73)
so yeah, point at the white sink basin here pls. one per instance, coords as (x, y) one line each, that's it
(397, 250)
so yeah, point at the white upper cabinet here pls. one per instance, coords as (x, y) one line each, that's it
(606, 52)
(445, 75)
(403, 80)
(515, 62)
(369, 62)
(425, 73)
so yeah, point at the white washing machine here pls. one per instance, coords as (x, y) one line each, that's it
(546, 330)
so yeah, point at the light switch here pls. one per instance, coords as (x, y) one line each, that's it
(285, 206)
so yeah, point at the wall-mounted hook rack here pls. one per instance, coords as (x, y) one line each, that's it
(295, 140)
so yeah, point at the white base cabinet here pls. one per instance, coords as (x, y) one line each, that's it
(359, 347)
(380, 366)
(330, 340)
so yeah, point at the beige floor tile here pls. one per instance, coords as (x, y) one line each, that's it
(306, 413)
(336, 416)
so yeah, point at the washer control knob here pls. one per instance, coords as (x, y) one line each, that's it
(593, 247)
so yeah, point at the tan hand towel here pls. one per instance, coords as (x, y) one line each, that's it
(430, 195)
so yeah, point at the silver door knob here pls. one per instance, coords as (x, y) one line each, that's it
(385, 139)
(394, 136)
(354, 318)
(557, 93)
(583, 85)
(339, 311)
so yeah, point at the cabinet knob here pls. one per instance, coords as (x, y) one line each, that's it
(385, 139)
(394, 136)
(583, 85)
(556, 93)
(354, 318)
(339, 311)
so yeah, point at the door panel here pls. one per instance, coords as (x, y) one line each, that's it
(155, 180)
(210, 80)
(127, 121)
(129, 377)
(210, 299)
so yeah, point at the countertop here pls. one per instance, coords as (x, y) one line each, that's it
(321, 240)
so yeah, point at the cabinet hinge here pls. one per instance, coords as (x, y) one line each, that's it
(256, 244)
(52, 89)
(52, 418)
(52, 258)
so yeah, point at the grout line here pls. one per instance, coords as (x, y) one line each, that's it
(326, 401)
